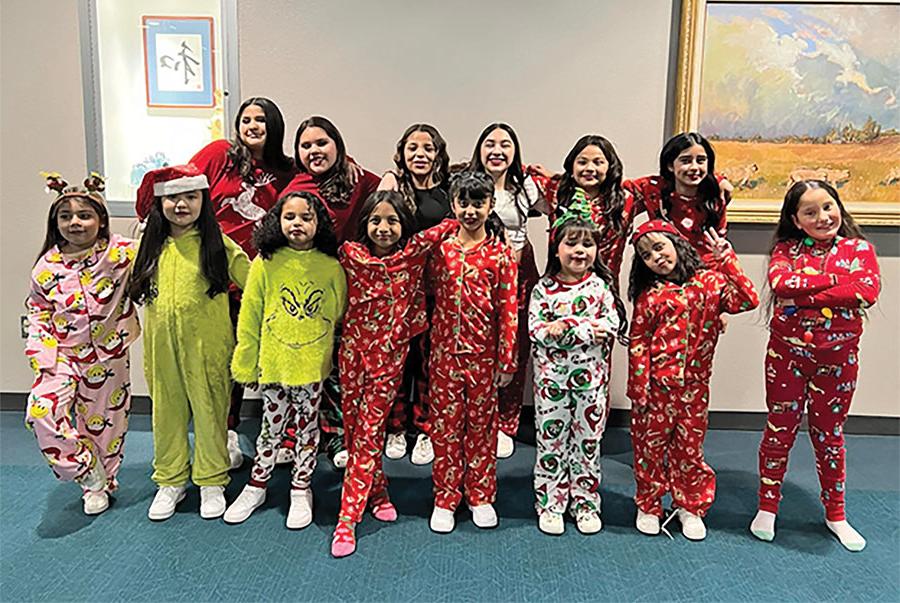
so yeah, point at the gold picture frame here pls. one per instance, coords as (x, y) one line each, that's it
(882, 207)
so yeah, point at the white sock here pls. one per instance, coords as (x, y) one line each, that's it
(850, 538)
(763, 526)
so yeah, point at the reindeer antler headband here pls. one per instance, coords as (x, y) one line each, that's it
(92, 187)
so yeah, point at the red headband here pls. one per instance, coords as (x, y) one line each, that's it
(654, 226)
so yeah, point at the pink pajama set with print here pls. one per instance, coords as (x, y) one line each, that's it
(80, 324)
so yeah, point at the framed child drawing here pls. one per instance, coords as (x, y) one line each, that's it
(178, 61)
(789, 91)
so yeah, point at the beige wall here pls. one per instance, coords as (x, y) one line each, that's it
(386, 72)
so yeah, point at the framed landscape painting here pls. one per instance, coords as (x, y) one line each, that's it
(790, 91)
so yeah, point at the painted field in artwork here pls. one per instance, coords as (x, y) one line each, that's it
(807, 90)
(861, 172)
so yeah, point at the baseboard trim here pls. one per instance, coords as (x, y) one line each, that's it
(728, 420)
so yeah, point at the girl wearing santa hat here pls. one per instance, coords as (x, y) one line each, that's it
(183, 271)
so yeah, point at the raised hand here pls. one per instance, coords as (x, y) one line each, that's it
(719, 245)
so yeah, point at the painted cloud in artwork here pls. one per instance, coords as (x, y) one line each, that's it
(789, 70)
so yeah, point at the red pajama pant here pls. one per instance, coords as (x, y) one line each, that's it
(413, 392)
(667, 437)
(511, 397)
(79, 414)
(367, 400)
(464, 428)
(822, 382)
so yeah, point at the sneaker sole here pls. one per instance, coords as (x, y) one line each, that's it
(549, 533)
(167, 516)
(235, 522)
(217, 514)
(648, 532)
(291, 526)
(96, 511)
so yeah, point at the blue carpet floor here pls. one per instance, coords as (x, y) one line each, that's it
(50, 551)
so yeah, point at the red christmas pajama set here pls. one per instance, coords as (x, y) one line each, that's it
(472, 339)
(673, 338)
(812, 359)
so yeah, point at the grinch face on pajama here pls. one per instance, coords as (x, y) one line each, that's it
(298, 321)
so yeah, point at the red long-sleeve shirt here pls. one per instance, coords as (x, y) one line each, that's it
(674, 328)
(344, 215)
(239, 204)
(476, 310)
(822, 289)
(687, 213)
(386, 302)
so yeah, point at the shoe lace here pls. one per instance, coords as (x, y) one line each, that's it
(672, 513)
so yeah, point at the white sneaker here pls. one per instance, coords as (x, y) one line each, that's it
(395, 447)
(340, 459)
(691, 525)
(647, 523)
(423, 451)
(165, 501)
(505, 446)
(285, 456)
(95, 479)
(588, 521)
(484, 516)
(95, 502)
(245, 504)
(551, 523)
(212, 501)
(300, 513)
(442, 521)
(235, 455)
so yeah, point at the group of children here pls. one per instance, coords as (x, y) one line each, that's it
(433, 276)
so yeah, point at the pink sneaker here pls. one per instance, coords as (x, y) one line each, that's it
(343, 542)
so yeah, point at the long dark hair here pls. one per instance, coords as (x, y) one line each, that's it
(273, 150)
(470, 185)
(708, 191)
(440, 169)
(612, 195)
(395, 200)
(54, 237)
(213, 260)
(786, 230)
(515, 174)
(269, 238)
(333, 185)
(642, 278)
(554, 267)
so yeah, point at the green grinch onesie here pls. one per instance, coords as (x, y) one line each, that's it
(188, 342)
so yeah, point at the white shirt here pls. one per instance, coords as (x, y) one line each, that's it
(513, 211)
